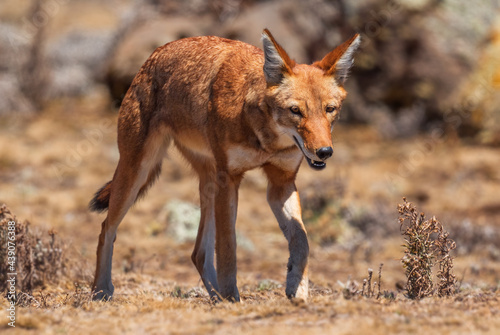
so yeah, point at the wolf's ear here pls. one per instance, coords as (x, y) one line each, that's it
(277, 62)
(339, 61)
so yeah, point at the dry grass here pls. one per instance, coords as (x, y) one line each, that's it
(260, 312)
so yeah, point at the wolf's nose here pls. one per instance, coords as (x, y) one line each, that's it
(324, 153)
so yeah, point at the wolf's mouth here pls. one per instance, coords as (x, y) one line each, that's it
(316, 165)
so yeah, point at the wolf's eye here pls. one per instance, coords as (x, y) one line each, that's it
(295, 110)
(330, 109)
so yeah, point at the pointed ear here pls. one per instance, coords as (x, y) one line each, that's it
(339, 61)
(277, 62)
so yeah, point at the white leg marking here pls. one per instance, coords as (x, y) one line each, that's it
(207, 248)
(285, 204)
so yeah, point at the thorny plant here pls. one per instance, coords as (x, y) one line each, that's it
(38, 261)
(446, 278)
(421, 249)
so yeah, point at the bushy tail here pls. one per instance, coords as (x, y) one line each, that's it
(100, 201)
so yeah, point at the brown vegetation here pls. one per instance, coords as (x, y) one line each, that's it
(40, 261)
(422, 247)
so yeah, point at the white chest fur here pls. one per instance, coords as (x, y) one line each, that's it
(241, 159)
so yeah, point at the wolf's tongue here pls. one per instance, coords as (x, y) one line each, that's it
(315, 164)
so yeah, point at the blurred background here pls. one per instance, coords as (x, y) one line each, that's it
(423, 63)
(422, 120)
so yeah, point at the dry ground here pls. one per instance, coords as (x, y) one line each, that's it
(51, 165)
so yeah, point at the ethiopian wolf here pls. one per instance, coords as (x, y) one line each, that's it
(228, 107)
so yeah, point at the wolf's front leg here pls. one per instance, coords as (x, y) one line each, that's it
(204, 250)
(226, 204)
(284, 200)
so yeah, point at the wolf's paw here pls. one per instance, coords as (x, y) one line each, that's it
(297, 293)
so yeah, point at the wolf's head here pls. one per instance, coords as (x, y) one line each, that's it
(305, 100)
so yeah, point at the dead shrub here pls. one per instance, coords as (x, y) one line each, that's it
(39, 259)
(446, 278)
(425, 241)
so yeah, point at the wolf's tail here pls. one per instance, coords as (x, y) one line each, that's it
(100, 201)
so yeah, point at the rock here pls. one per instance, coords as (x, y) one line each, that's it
(415, 56)
(183, 219)
(14, 54)
(139, 44)
(13, 102)
(244, 242)
(268, 285)
(248, 27)
(76, 60)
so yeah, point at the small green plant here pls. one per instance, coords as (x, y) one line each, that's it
(268, 285)
(422, 247)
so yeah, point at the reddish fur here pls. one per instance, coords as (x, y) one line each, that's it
(210, 97)
(288, 62)
(328, 62)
